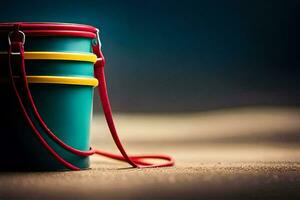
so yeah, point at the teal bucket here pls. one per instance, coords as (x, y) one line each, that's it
(60, 71)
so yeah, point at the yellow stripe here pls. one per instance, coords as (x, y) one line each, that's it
(63, 80)
(36, 55)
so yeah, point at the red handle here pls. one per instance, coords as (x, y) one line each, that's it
(134, 161)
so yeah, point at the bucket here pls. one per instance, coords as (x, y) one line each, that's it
(48, 81)
(60, 71)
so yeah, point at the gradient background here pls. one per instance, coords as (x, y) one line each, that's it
(179, 56)
(214, 84)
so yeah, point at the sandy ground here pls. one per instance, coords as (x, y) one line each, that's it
(251, 153)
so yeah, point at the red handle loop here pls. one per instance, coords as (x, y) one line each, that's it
(135, 161)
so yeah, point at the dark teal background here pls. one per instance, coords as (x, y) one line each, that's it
(187, 55)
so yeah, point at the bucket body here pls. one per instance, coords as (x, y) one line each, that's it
(61, 80)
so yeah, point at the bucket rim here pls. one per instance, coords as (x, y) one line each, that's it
(51, 29)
